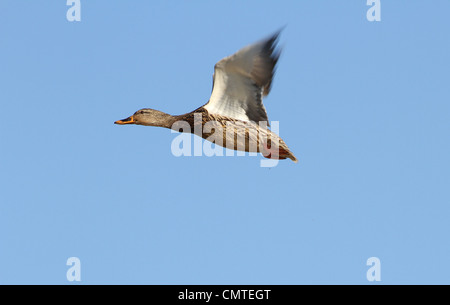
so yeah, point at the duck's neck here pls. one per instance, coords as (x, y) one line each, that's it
(160, 119)
(168, 120)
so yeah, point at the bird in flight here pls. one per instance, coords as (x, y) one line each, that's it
(235, 116)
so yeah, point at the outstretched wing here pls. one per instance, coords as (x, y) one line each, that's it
(242, 79)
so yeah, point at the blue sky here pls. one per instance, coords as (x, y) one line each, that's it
(363, 105)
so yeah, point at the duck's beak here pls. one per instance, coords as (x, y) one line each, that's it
(129, 120)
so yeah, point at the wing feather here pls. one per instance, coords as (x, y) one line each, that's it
(241, 80)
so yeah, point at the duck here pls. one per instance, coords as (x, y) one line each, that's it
(235, 116)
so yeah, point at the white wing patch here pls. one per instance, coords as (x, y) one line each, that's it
(241, 80)
(230, 97)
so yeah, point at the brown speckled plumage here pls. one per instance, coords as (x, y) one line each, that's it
(230, 133)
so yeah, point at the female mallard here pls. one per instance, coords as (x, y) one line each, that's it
(234, 116)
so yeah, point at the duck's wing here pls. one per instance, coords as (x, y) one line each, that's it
(241, 80)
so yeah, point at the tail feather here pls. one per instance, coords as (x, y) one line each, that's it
(280, 154)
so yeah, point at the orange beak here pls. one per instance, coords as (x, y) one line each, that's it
(129, 120)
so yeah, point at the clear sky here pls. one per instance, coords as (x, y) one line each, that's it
(365, 106)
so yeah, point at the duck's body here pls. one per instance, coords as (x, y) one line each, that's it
(234, 117)
(236, 134)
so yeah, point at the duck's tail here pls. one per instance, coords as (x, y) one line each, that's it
(281, 152)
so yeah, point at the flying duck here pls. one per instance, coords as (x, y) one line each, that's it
(235, 116)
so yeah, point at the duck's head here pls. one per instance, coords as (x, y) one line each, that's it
(148, 117)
